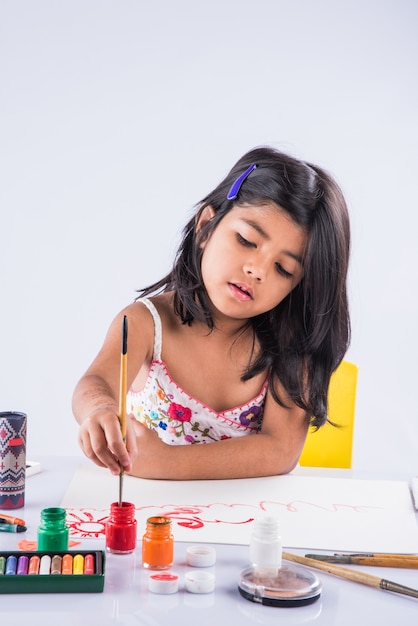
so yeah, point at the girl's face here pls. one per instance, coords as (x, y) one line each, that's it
(252, 260)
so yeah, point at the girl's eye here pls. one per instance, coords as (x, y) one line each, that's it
(282, 271)
(245, 242)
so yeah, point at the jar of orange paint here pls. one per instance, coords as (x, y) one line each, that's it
(158, 543)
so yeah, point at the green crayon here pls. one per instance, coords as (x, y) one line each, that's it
(12, 528)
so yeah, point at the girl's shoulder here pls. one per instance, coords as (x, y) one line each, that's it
(162, 304)
(142, 327)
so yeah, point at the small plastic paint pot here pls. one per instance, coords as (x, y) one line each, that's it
(200, 556)
(158, 543)
(197, 581)
(164, 583)
(288, 586)
(53, 531)
(121, 528)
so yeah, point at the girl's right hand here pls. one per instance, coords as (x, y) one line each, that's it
(100, 438)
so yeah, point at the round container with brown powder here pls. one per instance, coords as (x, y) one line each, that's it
(291, 585)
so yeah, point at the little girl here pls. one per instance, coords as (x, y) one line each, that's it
(233, 350)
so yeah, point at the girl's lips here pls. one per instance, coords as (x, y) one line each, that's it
(241, 292)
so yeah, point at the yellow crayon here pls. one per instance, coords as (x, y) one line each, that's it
(78, 564)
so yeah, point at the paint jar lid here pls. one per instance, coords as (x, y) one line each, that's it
(198, 581)
(165, 583)
(291, 585)
(200, 556)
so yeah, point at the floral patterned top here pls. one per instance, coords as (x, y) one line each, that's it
(177, 417)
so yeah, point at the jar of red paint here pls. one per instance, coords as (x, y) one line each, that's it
(121, 528)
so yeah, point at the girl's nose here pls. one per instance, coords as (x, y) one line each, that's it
(256, 271)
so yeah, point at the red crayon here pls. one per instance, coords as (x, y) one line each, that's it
(89, 564)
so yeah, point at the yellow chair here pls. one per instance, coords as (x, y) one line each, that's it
(332, 446)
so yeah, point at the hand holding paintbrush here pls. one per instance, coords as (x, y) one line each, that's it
(122, 393)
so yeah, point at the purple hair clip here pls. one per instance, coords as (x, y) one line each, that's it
(237, 184)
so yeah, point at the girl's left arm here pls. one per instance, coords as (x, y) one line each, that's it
(275, 450)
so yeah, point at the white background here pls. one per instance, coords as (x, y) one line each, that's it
(118, 116)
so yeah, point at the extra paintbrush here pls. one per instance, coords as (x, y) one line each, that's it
(122, 393)
(379, 560)
(354, 575)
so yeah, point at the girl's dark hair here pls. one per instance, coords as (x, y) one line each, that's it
(306, 336)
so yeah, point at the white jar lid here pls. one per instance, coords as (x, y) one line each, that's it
(167, 582)
(200, 556)
(198, 581)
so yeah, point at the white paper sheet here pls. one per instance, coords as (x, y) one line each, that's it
(321, 513)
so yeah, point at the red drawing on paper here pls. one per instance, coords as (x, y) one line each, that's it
(91, 522)
(87, 522)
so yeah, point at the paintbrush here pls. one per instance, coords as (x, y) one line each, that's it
(354, 575)
(122, 393)
(379, 560)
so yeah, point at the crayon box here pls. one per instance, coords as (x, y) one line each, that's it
(41, 572)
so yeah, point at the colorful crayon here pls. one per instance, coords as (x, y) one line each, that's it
(34, 564)
(89, 564)
(9, 519)
(45, 566)
(67, 564)
(22, 565)
(78, 564)
(11, 564)
(56, 564)
(6, 527)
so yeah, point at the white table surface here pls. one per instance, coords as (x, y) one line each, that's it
(127, 601)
